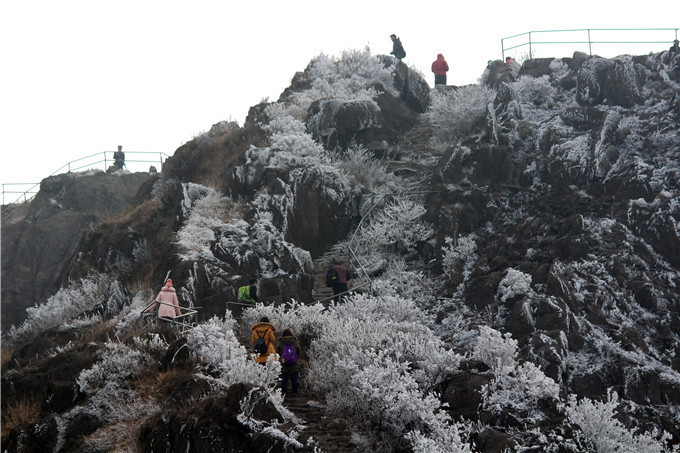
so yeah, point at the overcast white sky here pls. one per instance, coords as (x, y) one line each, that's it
(80, 77)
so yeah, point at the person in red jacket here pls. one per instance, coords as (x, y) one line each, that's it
(440, 68)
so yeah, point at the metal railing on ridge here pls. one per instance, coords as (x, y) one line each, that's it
(588, 39)
(92, 161)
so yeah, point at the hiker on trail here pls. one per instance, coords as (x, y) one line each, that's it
(342, 275)
(248, 294)
(119, 158)
(263, 339)
(168, 305)
(440, 67)
(288, 349)
(397, 48)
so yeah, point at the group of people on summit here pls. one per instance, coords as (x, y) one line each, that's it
(439, 67)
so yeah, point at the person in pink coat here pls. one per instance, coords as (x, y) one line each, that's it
(440, 67)
(170, 306)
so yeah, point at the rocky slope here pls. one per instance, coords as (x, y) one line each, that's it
(550, 215)
(40, 238)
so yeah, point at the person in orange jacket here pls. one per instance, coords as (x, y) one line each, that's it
(264, 329)
(440, 68)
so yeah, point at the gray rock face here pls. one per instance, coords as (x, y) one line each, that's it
(39, 239)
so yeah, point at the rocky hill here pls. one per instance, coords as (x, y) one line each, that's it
(516, 244)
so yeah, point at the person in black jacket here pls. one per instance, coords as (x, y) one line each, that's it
(675, 48)
(289, 371)
(119, 158)
(397, 48)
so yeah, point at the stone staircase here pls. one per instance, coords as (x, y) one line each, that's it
(321, 266)
(329, 432)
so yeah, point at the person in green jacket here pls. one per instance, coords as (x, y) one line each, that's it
(288, 350)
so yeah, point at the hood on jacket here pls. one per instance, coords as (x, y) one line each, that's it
(259, 325)
(168, 289)
(287, 339)
(440, 56)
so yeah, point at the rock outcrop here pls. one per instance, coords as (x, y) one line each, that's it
(40, 238)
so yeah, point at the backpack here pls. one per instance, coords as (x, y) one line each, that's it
(289, 355)
(244, 294)
(261, 345)
(331, 277)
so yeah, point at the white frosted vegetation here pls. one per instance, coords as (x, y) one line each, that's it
(67, 304)
(607, 434)
(348, 77)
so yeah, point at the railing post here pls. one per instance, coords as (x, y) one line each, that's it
(502, 49)
(590, 46)
(530, 46)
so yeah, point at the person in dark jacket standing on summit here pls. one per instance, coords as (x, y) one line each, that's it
(397, 49)
(440, 68)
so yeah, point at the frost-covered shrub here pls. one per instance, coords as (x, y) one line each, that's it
(399, 280)
(271, 428)
(515, 386)
(377, 348)
(264, 243)
(68, 303)
(455, 113)
(117, 364)
(117, 298)
(364, 168)
(389, 401)
(536, 91)
(463, 252)
(216, 346)
(498, 351)
(350, 77)
(141, 252)
(206, 211)
(514, 283)
(607, 434)
(396, 228)
(305, 321)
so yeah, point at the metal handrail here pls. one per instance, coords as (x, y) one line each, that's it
(69, 169)
(351, 290)
(589, 41)
(189, 312)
